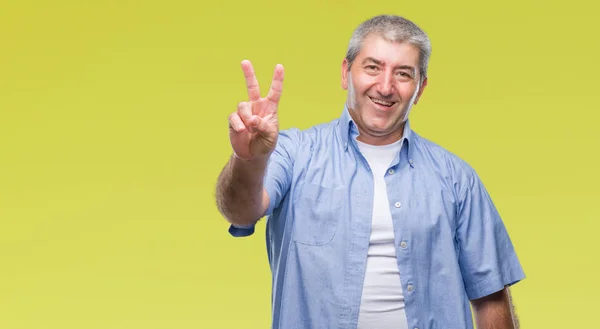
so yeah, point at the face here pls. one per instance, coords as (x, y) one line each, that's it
(382, 85)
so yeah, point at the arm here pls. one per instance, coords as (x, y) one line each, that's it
(240, 195)
(495, 311)
(253, 132)
(487, 258)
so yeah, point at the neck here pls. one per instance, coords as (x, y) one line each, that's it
(380, 140)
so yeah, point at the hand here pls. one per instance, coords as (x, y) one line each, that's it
(254, 127)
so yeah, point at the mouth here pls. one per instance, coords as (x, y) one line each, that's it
(381, 102)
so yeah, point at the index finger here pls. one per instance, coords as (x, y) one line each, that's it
(276, 84)
(251, 82)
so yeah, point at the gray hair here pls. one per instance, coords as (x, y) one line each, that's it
(394, 29)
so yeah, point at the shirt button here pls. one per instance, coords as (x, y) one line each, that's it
(403, 245)
(410, 287)
(397, 204)
(391, 171)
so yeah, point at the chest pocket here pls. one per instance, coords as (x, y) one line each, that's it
(317, 213)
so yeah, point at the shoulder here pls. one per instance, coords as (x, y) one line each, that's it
(444, 162)
(311, 136)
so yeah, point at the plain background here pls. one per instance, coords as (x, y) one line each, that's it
(113, 129)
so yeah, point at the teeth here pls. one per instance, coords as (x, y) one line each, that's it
(382, 102)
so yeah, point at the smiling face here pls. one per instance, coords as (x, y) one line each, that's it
(382, 84)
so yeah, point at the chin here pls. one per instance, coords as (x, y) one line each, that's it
(378, 129)
(377, 123)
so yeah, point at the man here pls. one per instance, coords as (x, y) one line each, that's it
(370, 225)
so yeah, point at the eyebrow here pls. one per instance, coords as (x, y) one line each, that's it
(378, 62)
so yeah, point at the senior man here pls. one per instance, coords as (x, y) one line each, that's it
(369, 225)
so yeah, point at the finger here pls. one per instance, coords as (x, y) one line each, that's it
(251, 82)
(262, 125)
(264, 128)
(244, 110)
(276, 84)
(253, 123)
(236, 123)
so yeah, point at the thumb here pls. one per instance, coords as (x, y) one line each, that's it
(265, 126)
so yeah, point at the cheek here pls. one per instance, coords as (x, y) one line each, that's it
(407, 92)
(362, 84)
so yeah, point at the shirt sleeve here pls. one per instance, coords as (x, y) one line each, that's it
(487, 257)
(278, 176)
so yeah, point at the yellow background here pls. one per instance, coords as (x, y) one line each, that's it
(113, 129)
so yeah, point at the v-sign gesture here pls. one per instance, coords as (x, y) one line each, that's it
(254, 127)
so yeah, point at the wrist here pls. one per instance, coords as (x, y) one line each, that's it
(250, 166)
(255, 160)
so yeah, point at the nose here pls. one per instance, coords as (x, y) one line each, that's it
(386, 84)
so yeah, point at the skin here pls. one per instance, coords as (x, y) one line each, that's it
(386, 71)
(495, 311)
(253, 132)
(382, 71)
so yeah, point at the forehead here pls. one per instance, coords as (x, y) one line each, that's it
(388, 52)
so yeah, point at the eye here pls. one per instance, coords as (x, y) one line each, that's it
(371, 68)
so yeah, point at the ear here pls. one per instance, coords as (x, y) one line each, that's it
(345, 74)
(423, 85)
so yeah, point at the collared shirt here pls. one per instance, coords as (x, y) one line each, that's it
(451, 243)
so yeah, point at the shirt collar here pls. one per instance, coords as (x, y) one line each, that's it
(347, 129)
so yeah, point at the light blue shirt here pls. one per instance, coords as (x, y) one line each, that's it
(451, 244)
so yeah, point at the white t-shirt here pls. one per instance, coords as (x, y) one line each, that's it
(382, 303)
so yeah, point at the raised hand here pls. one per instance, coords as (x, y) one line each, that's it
(254, 127)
